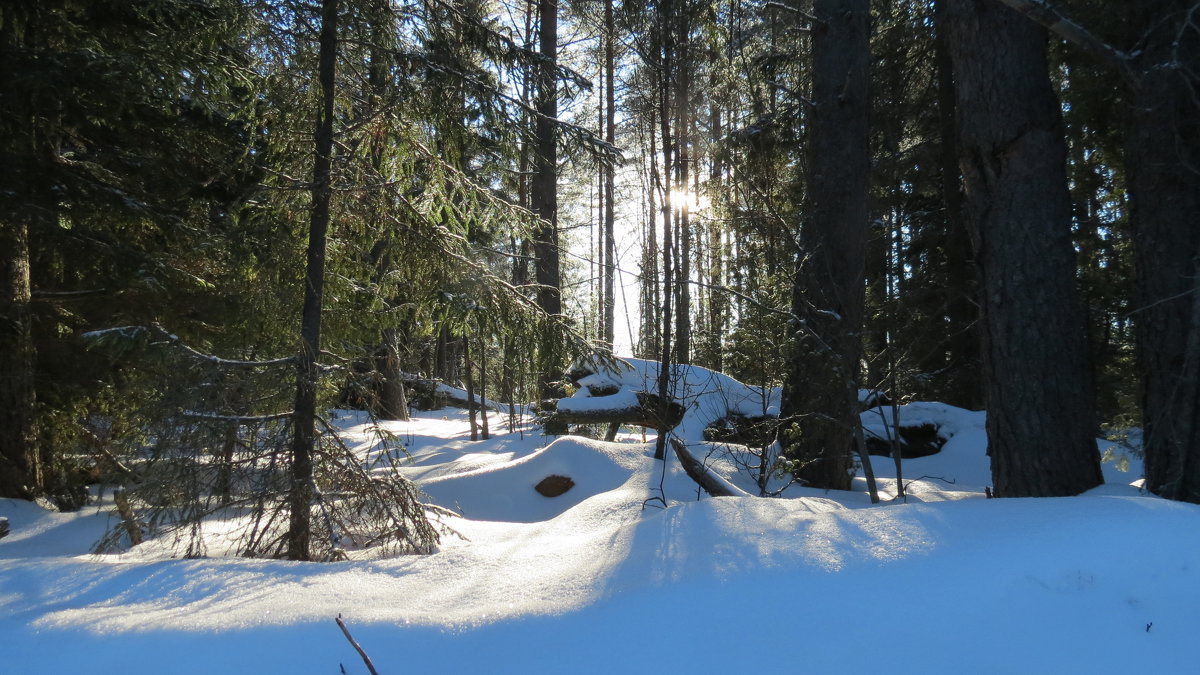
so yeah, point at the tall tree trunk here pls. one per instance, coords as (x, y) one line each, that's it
(683, 309)
(1041, 426)
(664, 366)
(1163, 170)
(466, 349)
(301, 490)
(483, 405)
(819, 410)
(544, 193)
(20, 459)
(20, 463)
(650, 338)
(610, 136)
(962, 312)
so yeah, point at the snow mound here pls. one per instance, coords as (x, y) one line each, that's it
(506, 492)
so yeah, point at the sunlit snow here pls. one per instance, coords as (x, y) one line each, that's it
(632, 570)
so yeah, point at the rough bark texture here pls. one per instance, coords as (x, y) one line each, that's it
(1163, 171)
(544, 192)
(610, 136)
(1041, 426)
(304, 431)
(20, 470)
(819, 412)
(393, 399)
(20, 462)
(966, 389)
(664, 369)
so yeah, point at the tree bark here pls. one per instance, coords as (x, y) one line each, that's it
(664, 366)
(393, 400)
(20, 463)
(683, 161)
(304, 437)
(1041, 426)
(544, 192)
(20, 457)
(610, 136)
(1163, 172)
(962, 313)
(819, 411)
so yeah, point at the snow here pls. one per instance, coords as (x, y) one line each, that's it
(632, 571)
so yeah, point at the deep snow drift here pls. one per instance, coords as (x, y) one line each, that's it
(605, 578)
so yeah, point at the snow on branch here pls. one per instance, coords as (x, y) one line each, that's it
(142, 333)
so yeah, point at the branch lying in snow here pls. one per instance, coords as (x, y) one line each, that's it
(346, 631)
(458, 397)
(713, 485)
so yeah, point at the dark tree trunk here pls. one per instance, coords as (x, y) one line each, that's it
(819, 411)
(20, 460)
(962, 312)
(683, 159)
(664, 366)
(304, 437)
(610, 136)
(1163, 170)
(466, 343)
(20, 464)
(544, 193)
(485, 432)
(393, 400)
(1041, 426)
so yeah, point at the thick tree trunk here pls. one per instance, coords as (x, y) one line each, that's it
(544, 193)
(1163, 170)
(1041, 426)
(819, 412)
(20, 459)
(664, 369)
(683, 161)
(393, 400)
(962, 312)
(610, 136)
(20, 464)
(304, 437)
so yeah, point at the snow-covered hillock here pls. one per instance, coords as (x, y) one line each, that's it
(634, 569)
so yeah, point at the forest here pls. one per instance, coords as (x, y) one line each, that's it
(222, 219)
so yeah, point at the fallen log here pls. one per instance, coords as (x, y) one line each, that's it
(648, 412)
(696, 470)
(435, 395)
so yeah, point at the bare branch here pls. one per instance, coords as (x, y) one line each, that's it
(366, 659)
(1042, 13)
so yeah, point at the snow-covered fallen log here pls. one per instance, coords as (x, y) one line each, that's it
(713, 484)
(635, 408)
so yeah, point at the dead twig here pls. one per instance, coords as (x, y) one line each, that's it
(346, 631)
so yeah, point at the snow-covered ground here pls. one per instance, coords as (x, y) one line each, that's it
(632, 571)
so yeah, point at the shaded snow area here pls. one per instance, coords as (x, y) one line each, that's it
(632, 571)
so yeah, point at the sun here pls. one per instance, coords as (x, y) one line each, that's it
(694, 202)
